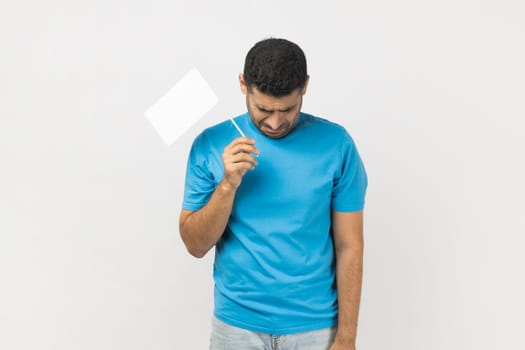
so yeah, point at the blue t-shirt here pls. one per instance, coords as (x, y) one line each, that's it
(274, 265)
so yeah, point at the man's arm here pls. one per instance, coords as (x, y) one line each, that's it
(348, 242)
(201, 229)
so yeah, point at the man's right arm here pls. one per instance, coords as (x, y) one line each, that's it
(201, 229)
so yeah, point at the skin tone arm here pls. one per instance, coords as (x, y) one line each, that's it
(201, 229)
(348, 242)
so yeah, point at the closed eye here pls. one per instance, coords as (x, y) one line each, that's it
(268, 111)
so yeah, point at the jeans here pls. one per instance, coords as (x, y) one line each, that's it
(226, 337)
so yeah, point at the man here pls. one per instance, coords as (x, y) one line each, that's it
(284, 209)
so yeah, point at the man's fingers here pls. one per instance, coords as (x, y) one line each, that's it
(241, 168)
(245, 157)
(242, 157)
(237, 159)
(238, 141)
(244, 166)
(244, 148)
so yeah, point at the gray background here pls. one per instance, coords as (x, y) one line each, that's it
(432, 92)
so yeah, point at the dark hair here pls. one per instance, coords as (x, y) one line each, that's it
(275, 67)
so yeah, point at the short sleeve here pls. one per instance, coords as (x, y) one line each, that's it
(350, 182)
(200, 182)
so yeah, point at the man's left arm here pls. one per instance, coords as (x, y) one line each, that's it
(348, 242)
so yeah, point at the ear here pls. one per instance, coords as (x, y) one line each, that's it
(306, 84)
(242, 83)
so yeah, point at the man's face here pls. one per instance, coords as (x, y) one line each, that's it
(275, 117)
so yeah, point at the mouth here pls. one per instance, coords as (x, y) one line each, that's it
(274, 132)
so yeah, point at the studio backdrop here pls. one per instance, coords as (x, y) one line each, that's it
(90, 193)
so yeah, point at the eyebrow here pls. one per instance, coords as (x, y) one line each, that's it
(262, 109)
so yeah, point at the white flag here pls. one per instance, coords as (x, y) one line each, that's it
(182, 106)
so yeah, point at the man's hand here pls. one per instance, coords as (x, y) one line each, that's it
(237, 160)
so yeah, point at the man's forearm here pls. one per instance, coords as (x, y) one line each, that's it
(203, 228)
(349, 272)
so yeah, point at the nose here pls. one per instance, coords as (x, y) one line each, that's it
(275, 120)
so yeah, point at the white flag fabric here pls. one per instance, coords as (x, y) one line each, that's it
(182, 106)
